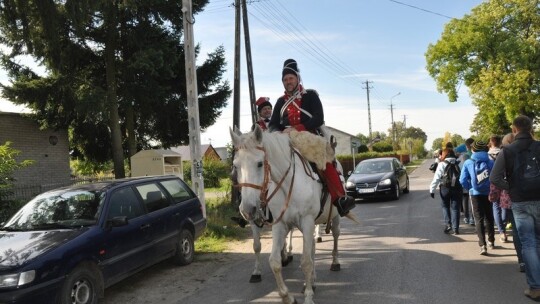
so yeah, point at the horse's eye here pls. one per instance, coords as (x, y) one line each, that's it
(259, 164)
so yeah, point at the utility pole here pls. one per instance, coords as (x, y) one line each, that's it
(368, 109)
(394, 137)
(236, 85)
(193, 105)
(404, 121)
(249, 63)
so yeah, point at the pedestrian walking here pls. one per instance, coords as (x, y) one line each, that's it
(447, 178)
(517, 170)
(475, 178)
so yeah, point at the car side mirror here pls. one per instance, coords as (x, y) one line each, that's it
(349, 173)
(117, 221)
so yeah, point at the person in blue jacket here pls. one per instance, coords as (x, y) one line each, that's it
(475, 178)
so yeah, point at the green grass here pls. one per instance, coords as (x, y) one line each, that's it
(411, 166)
(220, 228)
(225, 186)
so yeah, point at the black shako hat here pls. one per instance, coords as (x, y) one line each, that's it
(262, 102)
(290, 67)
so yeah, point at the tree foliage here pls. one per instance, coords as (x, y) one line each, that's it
(8, 165)
(495, 52)
(115, 72)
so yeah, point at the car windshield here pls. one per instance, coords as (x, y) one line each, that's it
(58, 210)
(373, 167)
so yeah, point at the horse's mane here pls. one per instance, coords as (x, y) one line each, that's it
(277, 143)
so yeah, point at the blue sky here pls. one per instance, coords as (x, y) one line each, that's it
(382, 41)
(338, 46)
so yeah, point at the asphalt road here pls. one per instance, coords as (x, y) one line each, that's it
(398, 254)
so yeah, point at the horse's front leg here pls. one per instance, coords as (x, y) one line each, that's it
(336, 266)
(256, 274)
(308, 256)
(279, 233)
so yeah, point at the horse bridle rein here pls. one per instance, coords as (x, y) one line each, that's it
(264, 197)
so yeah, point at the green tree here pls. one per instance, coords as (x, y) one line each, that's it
(457, 140)
(437, 143)
(115, 72)
(495, 52)
(8, 165)
(363, 138)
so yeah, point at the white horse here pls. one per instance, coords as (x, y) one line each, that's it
(286, 252)
(286, 256)
(265, 159)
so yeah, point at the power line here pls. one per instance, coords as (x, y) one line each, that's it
(283, 27)
(421, 9)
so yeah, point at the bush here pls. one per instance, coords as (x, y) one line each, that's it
(213, 172)
(8, 165)
(8, 208)
(382, 147)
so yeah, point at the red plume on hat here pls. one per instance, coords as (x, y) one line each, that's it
(262, 102)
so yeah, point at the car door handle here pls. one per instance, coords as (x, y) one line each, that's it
(145, 226)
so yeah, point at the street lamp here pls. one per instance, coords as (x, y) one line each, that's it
(392, 115)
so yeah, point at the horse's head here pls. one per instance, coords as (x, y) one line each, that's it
(249, 167)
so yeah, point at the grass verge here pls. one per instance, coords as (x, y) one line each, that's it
(220, 228)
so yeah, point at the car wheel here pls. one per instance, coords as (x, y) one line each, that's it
(406, 190)
(396, 192)
(80, 287)
(185, 249)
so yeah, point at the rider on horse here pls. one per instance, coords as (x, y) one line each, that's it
(301, 110)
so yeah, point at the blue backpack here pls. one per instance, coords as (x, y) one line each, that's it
(482, 171)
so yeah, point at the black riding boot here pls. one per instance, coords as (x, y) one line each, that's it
(344, 204)
(240, 221)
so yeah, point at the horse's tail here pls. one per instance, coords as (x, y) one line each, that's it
(353, 217)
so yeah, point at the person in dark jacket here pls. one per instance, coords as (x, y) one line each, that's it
(478, 187)
(525, 206)
(301, 110)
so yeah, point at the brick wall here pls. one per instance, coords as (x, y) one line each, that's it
(51, 162)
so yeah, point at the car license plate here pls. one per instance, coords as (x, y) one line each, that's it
(368, 190)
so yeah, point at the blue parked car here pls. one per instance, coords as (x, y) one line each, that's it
(67, 245)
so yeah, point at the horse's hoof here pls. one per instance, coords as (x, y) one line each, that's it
(319, 240)
(335, 267)
(255, 278)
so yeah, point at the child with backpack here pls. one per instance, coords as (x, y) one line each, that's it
(475, 178)
(447, 176)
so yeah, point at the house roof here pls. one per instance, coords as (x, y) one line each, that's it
(334, 130)
(156, 152)
(186, 152)
(222, 152)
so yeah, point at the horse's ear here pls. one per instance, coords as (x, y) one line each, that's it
(235, 136)
(258, 133)
(237, 131)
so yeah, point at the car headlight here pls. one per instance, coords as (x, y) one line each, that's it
(17, 279)
(349, 185)
(385, 182)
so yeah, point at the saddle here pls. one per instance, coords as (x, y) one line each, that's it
(316, 151)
